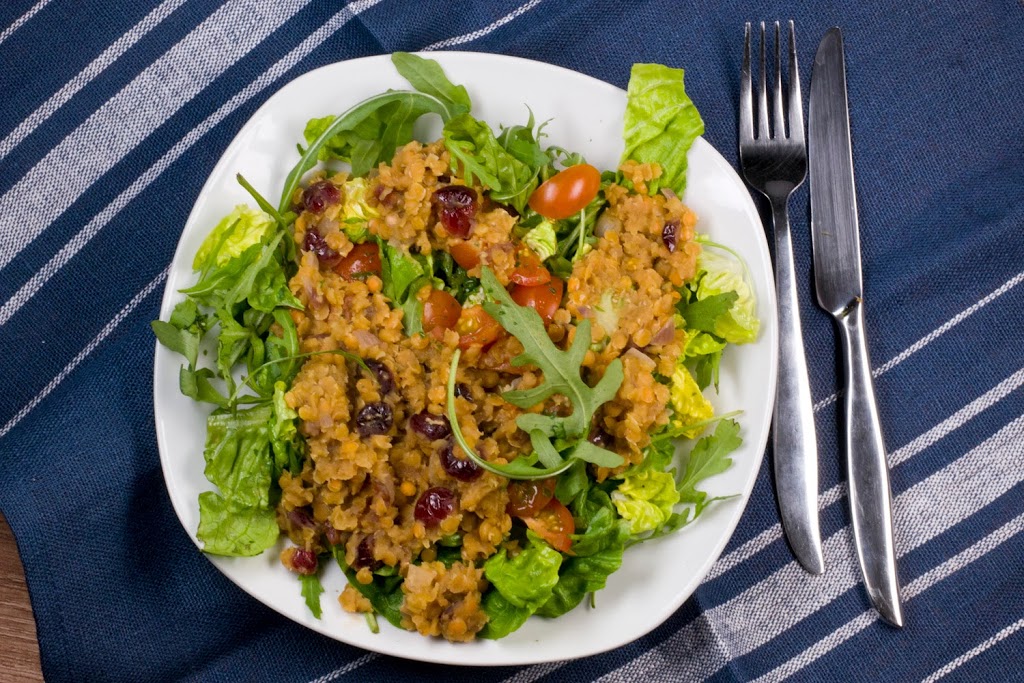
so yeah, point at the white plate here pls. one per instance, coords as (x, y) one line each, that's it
(586, 116)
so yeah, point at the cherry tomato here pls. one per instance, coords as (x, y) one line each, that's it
(554, 523)
(364, 259)
(545, 299)
(441, 311)
(477, 328)
(566, 192)
(527, 497)
(465, 254)
(530, 270)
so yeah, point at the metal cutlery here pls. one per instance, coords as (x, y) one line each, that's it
(775, 164)
(837, 275)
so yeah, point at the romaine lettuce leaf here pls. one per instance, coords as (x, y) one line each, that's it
(718, 275)
(526, 580)
(661, 123)
(688, 403)
(228, 528)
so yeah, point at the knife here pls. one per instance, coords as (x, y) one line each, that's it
(835, 243)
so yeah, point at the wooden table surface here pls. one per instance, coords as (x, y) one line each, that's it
(19, 652)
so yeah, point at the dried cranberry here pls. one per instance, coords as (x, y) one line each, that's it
(462, 469)
(333, 536)
(669, 234)
(300, 518)
(462, 391)
(383, 375)
(431, 426)
(444, 178)
(434, 505)
(304, 561)
(374, 418)
(456, 207)
(320, 195)
(364, 554)
(601, 438)
(315, 243)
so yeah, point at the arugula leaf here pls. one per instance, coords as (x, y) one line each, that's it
(384, 592)
(197, 386)
(561, 370)
(703, 314)
(311, 591)
(708, 458)
(428, 77)
(660, 123)
(388, 116)
(483, 157)
(229, 528)
(183, 341)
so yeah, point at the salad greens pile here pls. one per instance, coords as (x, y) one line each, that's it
(238, 313)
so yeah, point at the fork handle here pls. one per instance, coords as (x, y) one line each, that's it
(794, 440)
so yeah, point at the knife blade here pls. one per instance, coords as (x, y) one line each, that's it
(835, 244)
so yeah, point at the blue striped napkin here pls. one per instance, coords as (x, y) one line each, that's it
(114, 113)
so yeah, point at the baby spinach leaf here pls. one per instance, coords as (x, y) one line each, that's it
(384, 592)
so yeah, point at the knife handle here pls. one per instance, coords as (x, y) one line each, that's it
(868, 472)
(793, 435)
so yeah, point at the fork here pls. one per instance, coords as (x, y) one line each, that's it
(775, 164)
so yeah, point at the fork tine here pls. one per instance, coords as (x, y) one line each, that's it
(779, 120)
(746, 100)
(762, 97)
(796, 108)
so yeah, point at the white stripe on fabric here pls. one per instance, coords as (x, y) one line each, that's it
(22, 19)
(89, 348)
(837, 492)
(108, 57)
(769, 608)
(933, 335)
(354, 664)
(493, 26)
(975, 651)
(68, 251)
(127, 118)
(910, 591)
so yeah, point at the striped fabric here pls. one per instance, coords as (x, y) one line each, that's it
(114, 113)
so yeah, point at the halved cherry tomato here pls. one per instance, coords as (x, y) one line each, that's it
(476, 328)
(554, 524)
(363, 260)
(529, 270)
(465, 254)
(545, 299)
(527, 497)
(441, 311)
(566, 192)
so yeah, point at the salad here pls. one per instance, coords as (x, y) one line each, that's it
(461, 369)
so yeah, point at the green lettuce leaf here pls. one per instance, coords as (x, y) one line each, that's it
(236, 232)
(228, 528)
(543, 240)
(689, 405)
(238, 457)
(719, 276)
(661, 123)
(646, 499)
(525, 581)
(502, 616)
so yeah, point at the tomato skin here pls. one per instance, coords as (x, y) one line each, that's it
(545, 299)
(364, 259)
(465, 254)
(477, 328)
(441, 311)
(529, 270)
(566, 192)
(527, 497)
(554, 523)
